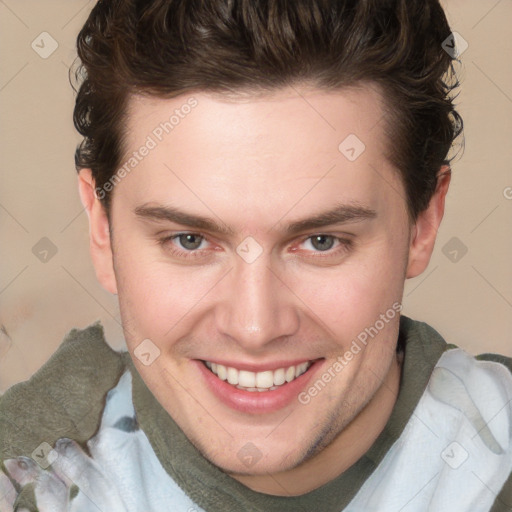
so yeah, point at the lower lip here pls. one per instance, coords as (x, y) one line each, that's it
(257, 402)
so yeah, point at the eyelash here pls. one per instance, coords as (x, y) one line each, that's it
(345, 245)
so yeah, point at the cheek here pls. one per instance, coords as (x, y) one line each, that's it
(353, 295)
(152, 299)
(155, 296)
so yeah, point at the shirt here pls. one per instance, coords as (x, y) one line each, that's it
(84, 433)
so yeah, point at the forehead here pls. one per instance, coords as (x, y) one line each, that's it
(220, 117)
(266, 149)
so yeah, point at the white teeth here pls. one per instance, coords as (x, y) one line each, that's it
(222, 372)
(246, 379)
(279, 377)
(257, 389)
(265, 379)
(290, 374)
(258, 381)
(301, 368)
(232, 376)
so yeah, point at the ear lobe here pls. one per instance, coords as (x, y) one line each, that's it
(99, 232)
(424, 231)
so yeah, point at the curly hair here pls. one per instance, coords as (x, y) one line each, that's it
(165, 48)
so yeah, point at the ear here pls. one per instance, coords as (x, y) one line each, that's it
(424, 230)
(99, 232)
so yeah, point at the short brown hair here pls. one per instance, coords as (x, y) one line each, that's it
(169, 47)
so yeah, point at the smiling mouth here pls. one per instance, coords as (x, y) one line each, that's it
(267, 380)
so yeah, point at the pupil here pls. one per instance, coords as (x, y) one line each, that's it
(323, 242)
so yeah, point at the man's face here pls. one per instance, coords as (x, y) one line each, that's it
(265, 293)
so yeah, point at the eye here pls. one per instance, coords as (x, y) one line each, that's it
(330, 244)
(322, 247)
(184, 245)
(322, 242)
(189, 241)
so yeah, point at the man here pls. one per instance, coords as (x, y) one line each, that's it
(260, 179)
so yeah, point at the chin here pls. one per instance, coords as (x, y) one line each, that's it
(258, 465)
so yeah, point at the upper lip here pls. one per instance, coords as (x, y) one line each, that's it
(261, 367)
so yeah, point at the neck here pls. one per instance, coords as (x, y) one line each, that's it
(353, 442)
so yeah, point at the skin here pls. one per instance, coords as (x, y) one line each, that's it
(256, 164)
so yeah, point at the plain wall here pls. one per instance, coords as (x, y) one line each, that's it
(469, 301)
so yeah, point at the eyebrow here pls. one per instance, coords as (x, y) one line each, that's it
(341, 214)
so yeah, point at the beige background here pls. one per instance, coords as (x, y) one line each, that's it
(469, 301)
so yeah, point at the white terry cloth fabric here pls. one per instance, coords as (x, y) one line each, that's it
(455, 453)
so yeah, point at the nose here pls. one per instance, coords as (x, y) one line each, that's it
(256, 307)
